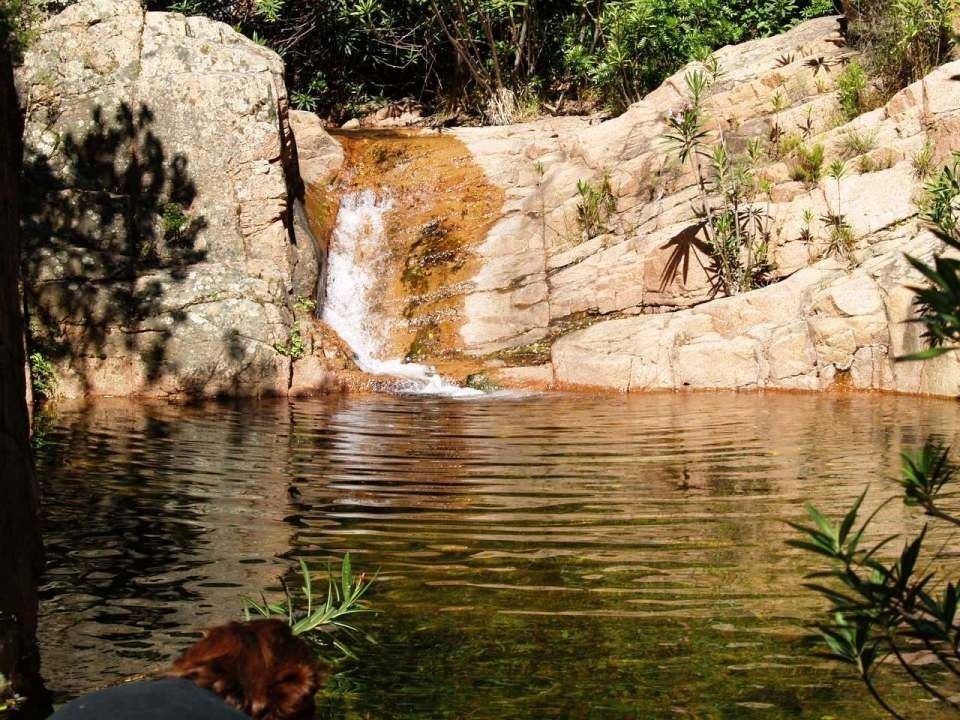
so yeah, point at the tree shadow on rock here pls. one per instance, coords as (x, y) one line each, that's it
(686, 244)
(108, 234)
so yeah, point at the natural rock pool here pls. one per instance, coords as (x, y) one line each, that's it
(542, 557)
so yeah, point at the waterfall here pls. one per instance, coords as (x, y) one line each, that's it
(352, 306)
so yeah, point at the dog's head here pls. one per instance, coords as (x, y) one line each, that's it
(258, 667)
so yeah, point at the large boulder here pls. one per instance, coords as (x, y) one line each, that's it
(161, 254)
(826, 326)
(634, 306)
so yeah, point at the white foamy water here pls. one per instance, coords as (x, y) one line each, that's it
(358, 252)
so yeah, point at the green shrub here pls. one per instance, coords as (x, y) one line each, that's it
(596, 205)
(735, 226)
(461, 54)
(902, 40)
(943, 197)
(18, 24)
(305, 304)
(173, 220)
(841, 237)
(923, 160)
(294, 348)
(855, 142)
(883, 161)
(851, 90)
(807, 164)
(322, 620)
(43, 376)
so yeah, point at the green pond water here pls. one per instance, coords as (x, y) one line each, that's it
(542, 557)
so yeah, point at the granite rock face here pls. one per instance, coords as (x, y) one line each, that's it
(631, 306)
(161, 256)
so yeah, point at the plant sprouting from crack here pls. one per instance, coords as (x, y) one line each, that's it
(734, 223)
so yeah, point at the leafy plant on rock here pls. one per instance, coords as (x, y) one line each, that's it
(841, 238)
(807, 164)
(851, 90)
(43, 376)
(734, 223)
(595, 207)
(294, 348)
(901, 40)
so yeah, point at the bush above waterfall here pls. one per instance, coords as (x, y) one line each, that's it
(484, 55)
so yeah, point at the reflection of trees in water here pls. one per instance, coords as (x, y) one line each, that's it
(156, 521)
(643, 591)
(98, 257)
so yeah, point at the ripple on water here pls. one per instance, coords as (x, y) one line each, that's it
(543, 556)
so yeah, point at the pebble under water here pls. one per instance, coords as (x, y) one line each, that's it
(552, 556)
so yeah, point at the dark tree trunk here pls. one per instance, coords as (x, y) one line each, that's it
(20, 550)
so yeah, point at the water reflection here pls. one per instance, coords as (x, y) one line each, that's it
(540, 557)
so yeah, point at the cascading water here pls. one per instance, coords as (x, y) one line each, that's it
(358, 247)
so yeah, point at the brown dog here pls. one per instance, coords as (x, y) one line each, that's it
(258, 667)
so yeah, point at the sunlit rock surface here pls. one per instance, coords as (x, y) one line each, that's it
(161, 256)
(632, 308)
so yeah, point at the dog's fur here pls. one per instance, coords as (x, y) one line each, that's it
(258, 667)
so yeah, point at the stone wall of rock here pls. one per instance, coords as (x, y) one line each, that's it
(20, 561)
(161, 253)
(633, 308)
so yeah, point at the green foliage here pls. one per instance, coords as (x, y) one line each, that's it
(19, 21)
(807, 164)
(736, 227)
(467, 54)
(881, 609)
(320, 620)
(174, 220)
(902, 40)
(778, 101)
(900, 612)
(944, 197)
(869, 163)
(187, 7)
(305, 304)
(294, 348)
(841, 237)
(923, 160)
(303, 100)
(43, 376)
(595, 207)
(939, 299)
(269, 10)
(806, 232)
(855, 142)
(851, 90)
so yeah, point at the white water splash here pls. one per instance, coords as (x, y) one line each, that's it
(358, 251)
